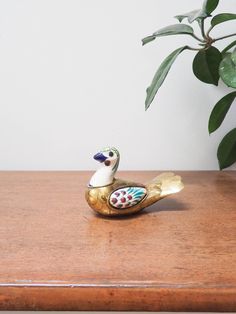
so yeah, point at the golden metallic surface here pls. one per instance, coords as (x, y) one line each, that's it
(160, 187)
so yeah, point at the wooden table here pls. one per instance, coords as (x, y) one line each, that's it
(56, 254)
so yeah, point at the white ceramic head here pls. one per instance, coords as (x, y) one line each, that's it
(109, 158)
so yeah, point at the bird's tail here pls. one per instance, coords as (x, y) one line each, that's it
(168, 182)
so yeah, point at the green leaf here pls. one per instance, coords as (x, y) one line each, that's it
(206, 64)
(219, 111)
(227, 150)
(183, 16)
(192, 16)
(233, 56)
(210, 5)
(175, 29)
(200, 14)
(221, 18)
(161, 75)
(227, 71)
(148, 39)
(223, 52)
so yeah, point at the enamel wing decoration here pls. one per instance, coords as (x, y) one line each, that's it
(111, 196)
(127, 197)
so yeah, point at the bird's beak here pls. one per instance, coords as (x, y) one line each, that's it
(100, 157)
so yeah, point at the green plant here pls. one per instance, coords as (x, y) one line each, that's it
(209, 65)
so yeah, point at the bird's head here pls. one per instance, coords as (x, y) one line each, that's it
(108, 156)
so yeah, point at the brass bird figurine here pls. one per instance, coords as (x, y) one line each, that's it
(116, 197)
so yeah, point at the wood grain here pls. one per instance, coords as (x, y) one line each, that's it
(56, 254)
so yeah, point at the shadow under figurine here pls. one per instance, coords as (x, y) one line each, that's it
(116, 197)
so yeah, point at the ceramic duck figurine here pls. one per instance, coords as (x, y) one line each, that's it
(115, 197)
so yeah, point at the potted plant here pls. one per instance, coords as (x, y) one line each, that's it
(209, 65)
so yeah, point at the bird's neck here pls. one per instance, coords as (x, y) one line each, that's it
(102, 177)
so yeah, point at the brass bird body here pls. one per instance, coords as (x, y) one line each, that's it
(116, 197)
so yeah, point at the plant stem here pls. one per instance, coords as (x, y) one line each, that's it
(228, 47)
(227, 36)
(195, 49)
(208, 32)
(196, 37)
(202, 26)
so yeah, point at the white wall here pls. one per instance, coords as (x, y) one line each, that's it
(73, 76)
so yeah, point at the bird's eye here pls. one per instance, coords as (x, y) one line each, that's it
(111, 154)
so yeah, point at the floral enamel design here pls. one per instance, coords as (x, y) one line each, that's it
(127, 197)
